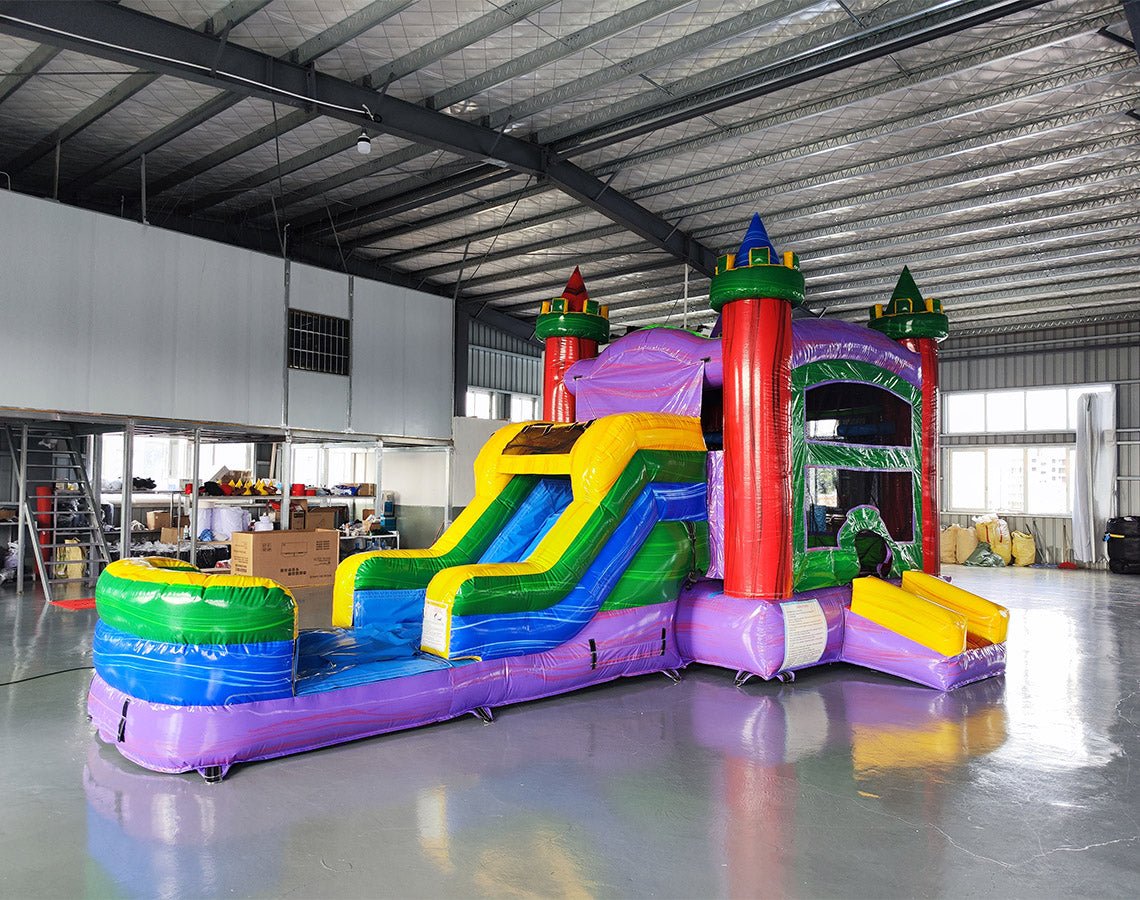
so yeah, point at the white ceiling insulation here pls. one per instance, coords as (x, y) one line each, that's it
(997, 156)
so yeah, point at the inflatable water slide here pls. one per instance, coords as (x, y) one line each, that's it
(585, 531)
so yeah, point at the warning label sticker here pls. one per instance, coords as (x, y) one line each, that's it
(805, 633)
(435, 627)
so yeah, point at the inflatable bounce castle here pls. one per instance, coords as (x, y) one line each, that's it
(764, 500)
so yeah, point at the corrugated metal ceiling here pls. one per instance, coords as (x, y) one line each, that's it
(1000, 160)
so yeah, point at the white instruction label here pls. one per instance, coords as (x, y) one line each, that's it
(435, 627)
(805, 633)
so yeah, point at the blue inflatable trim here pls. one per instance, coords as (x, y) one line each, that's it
(512, 634)
(193, 674)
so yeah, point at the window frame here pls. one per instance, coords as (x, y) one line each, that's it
(1027, 487)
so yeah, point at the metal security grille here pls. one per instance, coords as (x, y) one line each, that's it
(319, 343)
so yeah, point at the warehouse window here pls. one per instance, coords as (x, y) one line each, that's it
(319, 343)
(1014, 412)
(484, 404)
(1031, 480)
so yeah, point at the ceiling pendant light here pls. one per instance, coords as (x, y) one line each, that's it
(364, 144)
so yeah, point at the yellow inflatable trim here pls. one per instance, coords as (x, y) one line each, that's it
(923, 622)
(984, 618)
(598, 458)
(489, 482)
(536, 464)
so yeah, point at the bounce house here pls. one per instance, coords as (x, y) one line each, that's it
(763, 500)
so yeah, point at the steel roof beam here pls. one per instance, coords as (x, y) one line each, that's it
(445, 45)
(1049, 36)
(729, 98)
(29, 66)
(946, 284)
(912, 192)
(336, 35)
(957, 236)
(718, 32)
(821, 147)
(740, 22)
(136, 39)
(956, 148)
(484, 26)
(407, 199)
(555, 50)
(795, 62)
(229, 15)
(1053, 35)
(953, 239)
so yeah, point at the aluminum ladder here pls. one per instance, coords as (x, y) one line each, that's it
(49, 466)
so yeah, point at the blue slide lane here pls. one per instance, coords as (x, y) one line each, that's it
(513, 634)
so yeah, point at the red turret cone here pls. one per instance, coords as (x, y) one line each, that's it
(575, 292)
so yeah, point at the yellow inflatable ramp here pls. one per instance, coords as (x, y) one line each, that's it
(922, 621)
(984, 618)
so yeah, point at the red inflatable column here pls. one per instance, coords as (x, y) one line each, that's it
(927, 349)
(919, 324)
(572, 327)
(755, 298)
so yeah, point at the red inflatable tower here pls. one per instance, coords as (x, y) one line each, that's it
(919, 325)
(754, 291)
(572, 326)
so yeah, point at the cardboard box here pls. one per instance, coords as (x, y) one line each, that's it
(171, 535)
(324, 516)
(291, 558)
(157, 519)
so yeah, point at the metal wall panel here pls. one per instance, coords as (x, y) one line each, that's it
(1105, 352)
(318, 290)
(102, 315)
(319, 401)
(498, 370)
(499, 361)
(401, 361)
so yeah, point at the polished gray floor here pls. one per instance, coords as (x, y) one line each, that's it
(843, 784)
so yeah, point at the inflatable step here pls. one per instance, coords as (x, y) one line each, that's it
(922, 621)
(986, 621)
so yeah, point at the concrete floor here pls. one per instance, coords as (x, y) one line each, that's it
(843, 784)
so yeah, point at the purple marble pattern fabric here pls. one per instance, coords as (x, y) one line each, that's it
(665, 369)
(180, 739)
(715, 474)
(827, 339)
(873, 646)
(655, 370)
(748, 635)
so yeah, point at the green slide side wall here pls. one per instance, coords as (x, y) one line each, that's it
(411, 573)
(491, 594)
(673, 552)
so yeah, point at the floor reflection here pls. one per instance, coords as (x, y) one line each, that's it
(561, 797)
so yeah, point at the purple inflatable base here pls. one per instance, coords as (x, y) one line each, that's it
(704, 626)
(749, 636)
(165, 738)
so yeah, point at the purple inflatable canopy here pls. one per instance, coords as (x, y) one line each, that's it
(665, 369)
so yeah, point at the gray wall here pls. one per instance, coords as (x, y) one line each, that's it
(1105, 353)
(501, 362)
(103, 315)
